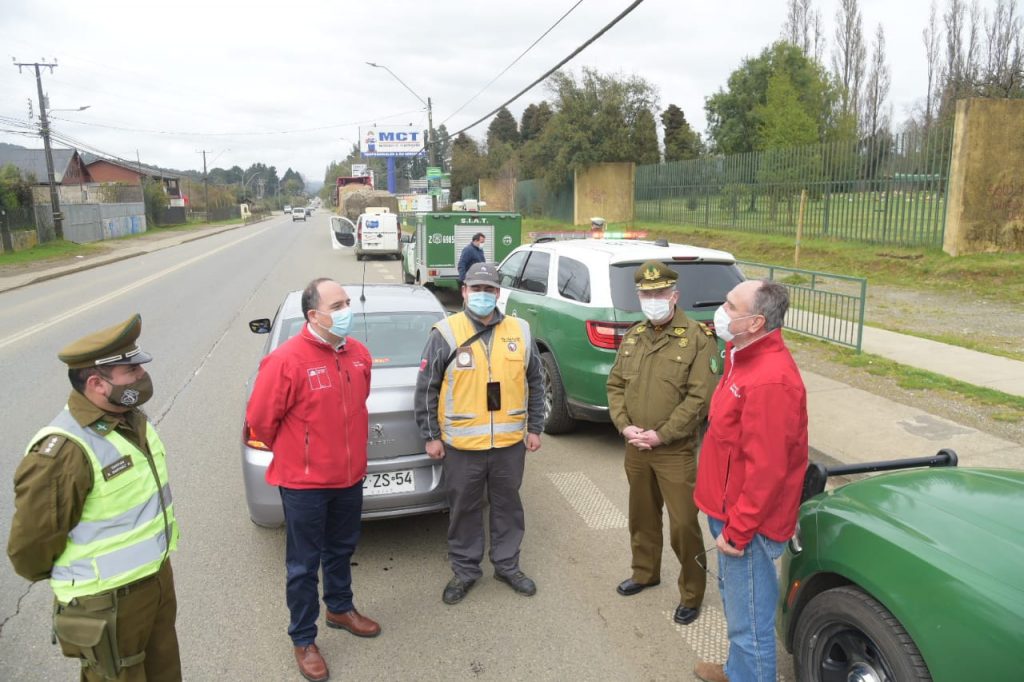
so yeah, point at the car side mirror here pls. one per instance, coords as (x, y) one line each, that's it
(260, 326)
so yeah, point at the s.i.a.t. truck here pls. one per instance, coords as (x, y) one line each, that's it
(432, 252)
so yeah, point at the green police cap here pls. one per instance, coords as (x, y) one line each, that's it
(111, 346)
(654, 275)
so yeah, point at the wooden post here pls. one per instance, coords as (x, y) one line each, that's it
(800, 227)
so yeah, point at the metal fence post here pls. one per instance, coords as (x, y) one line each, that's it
(5, 231)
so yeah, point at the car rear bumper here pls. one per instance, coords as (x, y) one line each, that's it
(264, 500)
(587, 412)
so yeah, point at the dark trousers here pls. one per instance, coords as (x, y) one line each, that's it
(323, 527)
(469, 473)
(657, 481)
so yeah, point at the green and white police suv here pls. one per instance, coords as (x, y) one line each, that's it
(579, 297)
(431, 254)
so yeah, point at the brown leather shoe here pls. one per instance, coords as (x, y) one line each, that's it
(710, 672)
(311, 664)
(355, 622)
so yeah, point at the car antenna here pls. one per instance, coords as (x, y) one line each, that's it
(362, 290)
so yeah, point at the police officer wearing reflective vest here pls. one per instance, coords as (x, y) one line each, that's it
(93, 513)
(658, 394)
(480, 407)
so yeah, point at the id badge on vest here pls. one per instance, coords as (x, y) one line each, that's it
(464, 358)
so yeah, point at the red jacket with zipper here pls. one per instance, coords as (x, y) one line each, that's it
(309, 406)
(752, 463)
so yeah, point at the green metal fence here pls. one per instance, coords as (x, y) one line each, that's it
(821, 304)
(887, 190)
(534, 199)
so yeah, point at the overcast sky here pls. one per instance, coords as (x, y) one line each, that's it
(285, 83)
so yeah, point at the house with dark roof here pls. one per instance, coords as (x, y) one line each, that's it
(108, 170)
(68, 167)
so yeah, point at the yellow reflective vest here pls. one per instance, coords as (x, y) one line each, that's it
(127, 527)
(466, 422)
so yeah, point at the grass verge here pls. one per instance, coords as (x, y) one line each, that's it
(994, 276)
(49, 251)
(1011, 407)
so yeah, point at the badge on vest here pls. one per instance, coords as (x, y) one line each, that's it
(119, 467)
(464, 358)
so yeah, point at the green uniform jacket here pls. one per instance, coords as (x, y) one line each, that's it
(663, 379)
(50, 487)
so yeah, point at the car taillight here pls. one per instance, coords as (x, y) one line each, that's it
(606, 334)
(251, 441)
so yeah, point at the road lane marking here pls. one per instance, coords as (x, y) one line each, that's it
(590, 503)
(78, 310)
(708, 636)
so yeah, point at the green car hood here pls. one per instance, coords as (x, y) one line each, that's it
(970, 520)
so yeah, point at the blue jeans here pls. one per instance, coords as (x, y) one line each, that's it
(323, 527)
(750, 591)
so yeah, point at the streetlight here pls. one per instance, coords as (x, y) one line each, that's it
(430, 113)
(78, 109)
(245, 183)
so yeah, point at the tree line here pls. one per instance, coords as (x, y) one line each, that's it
(796, 91)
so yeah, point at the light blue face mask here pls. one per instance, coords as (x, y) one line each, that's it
(481, 303)
(341, 322)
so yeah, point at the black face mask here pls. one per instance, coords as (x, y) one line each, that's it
(131, 395)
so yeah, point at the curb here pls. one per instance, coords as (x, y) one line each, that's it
(47, 276)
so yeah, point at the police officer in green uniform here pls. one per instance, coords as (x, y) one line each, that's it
(93, 514)
(658, 394)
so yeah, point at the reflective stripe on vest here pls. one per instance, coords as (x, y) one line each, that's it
(465, 422)
(121, 536)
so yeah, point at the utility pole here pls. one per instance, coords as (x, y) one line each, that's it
(44, 130)
(206, 187)
(430, 134)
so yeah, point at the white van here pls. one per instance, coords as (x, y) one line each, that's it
(378, 234)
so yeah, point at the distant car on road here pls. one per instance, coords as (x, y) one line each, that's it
(287, 209)
(308, 210)
(298, 214)
(402, 480)
(910, 575)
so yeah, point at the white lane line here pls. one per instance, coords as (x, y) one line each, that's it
(389, 278)
(590, 503)
(78, 310)
(708, 636)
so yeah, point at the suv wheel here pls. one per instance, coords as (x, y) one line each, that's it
(846, 634)
(557, 419)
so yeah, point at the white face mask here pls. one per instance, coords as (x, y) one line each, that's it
(722, 322)
(656, 309)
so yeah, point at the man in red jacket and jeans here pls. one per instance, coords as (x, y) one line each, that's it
(309, 406)
(751, 472)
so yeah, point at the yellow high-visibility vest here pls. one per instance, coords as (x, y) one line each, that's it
(122, 535)
(465, 421)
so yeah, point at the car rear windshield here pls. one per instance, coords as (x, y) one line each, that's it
(702, 286)
(394, 339)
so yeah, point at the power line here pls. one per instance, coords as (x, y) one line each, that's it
(514, 61)
(183, 133)
(556, 67)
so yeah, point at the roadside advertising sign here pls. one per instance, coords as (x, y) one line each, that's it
(391, 141)
(359, 170)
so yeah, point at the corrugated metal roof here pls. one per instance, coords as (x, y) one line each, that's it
(33, 161)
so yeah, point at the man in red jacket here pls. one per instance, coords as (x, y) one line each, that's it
(751, 473)
(309, 406)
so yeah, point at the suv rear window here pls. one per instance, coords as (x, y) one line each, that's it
(702, 286)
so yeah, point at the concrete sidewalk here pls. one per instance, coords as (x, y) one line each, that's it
(846, 423)
(963, 364)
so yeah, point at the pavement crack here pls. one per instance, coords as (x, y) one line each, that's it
(17, 608)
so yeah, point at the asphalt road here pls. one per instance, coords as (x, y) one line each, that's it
(196, 300)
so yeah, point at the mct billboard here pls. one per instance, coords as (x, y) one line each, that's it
(391, 141)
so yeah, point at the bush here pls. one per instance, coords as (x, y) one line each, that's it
(734, 196)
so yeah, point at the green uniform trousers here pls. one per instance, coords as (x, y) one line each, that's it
(657, 480)
(144, 613)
